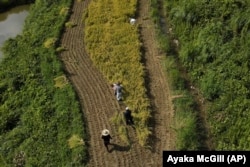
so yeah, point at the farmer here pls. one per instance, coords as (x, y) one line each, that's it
(106, 138)
(132, 21)
(117, 90)
(128, 117)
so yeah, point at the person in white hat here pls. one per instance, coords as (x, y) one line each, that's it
(128, 117)
(106, 138)
(132, 21)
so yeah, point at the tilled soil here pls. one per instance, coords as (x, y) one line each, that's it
(99, 104)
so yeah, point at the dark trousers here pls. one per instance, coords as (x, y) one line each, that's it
(106, 143)
(129, 121)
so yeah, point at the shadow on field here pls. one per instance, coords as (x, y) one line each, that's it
(116, 147)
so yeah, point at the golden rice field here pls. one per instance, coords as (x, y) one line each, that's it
(115, 48)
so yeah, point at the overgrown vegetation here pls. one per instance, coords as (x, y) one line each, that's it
(214, 43)
(41, 122)
(114, 46)
(185, 119)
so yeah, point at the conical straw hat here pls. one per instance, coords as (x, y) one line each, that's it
(105, 132)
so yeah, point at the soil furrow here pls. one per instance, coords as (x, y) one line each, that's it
(158, 87)
(99, 103)
(91, 88)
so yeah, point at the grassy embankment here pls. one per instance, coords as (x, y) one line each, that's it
(214, 48)
(41, 122)
(186, 117)
(115, 49)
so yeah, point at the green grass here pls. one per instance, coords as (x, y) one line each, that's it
(185, 123)
(214, 38)
(39, 109)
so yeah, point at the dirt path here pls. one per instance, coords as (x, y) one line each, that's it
(99, 103)
(158, 85)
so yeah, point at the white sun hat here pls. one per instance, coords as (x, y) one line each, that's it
(105, 132)
(127, 108)
(132, 21)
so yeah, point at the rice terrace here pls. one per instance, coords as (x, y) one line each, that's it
(183, 66)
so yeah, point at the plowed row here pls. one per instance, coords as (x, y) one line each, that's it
(99, 104)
